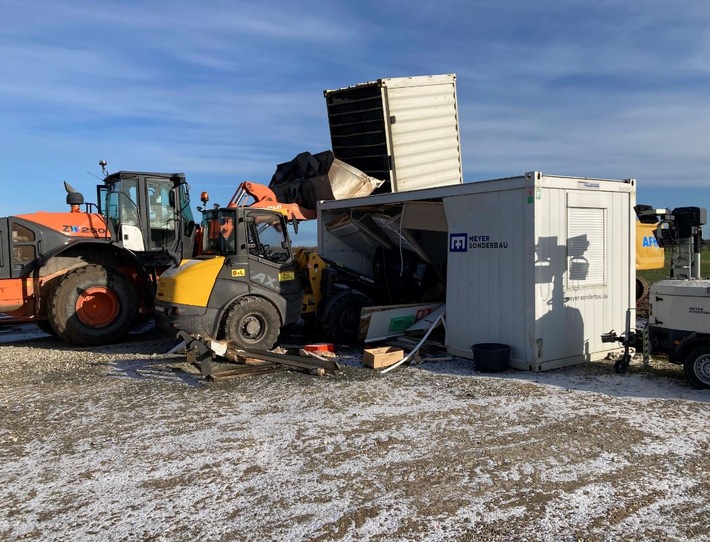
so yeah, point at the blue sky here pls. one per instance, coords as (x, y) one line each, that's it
(225, 90)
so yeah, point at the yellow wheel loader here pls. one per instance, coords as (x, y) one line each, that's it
(247, 284)
(244, 285)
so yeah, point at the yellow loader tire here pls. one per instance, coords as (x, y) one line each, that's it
(253, 323)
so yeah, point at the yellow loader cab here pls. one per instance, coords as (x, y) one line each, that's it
(243, 287)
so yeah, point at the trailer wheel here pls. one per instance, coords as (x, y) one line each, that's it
(340, 318)
(92, 305)
(697, 367)
(253, 323)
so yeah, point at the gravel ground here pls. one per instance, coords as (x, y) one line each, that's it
(126, 443)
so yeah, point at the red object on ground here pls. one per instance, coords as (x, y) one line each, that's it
(320, 347)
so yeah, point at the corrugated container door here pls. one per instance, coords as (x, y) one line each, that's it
(424, 133)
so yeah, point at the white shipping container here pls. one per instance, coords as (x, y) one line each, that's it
(402, 130)
(542, 263)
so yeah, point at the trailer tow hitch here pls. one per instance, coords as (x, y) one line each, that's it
(627, 340)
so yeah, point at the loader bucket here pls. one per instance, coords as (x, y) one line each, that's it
(348, 182)
(308, 179)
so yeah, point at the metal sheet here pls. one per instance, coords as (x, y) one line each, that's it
(424, 215)
(356, 235)
(378, 323)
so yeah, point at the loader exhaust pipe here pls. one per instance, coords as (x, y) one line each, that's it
(74, 199)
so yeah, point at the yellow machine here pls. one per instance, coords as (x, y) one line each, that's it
(242, 287)
(247, 284)
(649, 255)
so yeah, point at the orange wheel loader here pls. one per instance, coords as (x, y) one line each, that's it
(89, 275)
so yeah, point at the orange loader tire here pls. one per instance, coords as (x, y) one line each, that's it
(92, 305)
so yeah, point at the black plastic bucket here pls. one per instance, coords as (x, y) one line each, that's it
(491, 357)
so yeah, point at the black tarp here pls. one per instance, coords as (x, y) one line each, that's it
(304, 180)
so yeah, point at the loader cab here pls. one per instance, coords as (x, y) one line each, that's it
(246, 234)
(149, 214)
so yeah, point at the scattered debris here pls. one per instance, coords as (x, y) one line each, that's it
(382, 322)
(428, 359)
(406, 358)
(219, 360)
(320, 355)
(324, 349)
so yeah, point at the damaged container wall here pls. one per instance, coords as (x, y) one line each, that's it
(547, 267)
(337, 246)
(404, 130)
(539, 262)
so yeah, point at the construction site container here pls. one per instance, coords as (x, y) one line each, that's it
(542, 263)
(403, 130)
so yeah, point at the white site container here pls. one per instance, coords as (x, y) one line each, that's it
(541, 263)
(402, 130)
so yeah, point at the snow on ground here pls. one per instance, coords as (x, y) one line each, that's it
(124, 443)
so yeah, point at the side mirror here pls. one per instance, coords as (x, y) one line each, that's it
(189, 228)
(171, 199)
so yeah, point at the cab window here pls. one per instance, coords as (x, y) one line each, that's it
(160, 212)
(219, 233)
(267, 236)
(121, 203)
(23, 251)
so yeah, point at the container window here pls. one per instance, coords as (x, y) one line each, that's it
(586, 247)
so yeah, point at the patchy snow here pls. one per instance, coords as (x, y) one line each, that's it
(124, 443)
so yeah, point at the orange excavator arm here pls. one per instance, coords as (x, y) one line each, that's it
(264, 198)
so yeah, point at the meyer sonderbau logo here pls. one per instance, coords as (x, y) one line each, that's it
(484, 241)
(462, 242)
(458, 242)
